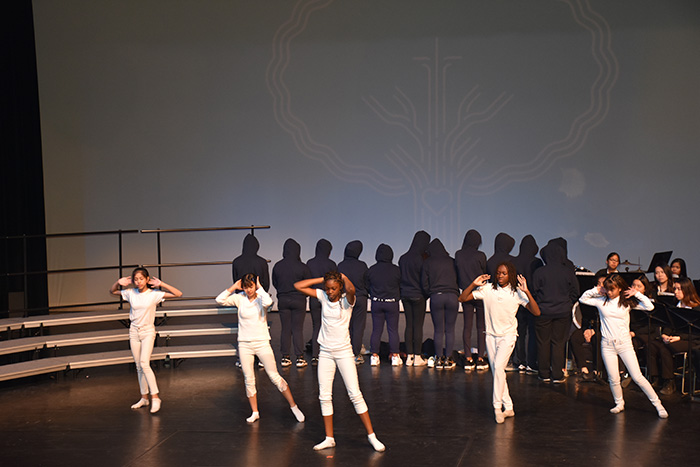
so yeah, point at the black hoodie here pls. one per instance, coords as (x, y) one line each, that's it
(439, 274)
(320, 264)
(527, 261)
(562, 243)
(250, 263)
(502, 246)
(554, 285)
(384, 278)
(354, 269)
(411, 265)
(469, 261)
(289, 270)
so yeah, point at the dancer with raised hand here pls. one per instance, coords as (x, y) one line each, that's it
(501, 302)
(144, 293)
(254, 339)
(614, 301)
(337, 299)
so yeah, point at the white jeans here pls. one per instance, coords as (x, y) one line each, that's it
(247, 350)
(610, 349)
(344, 360)
(141, 340)
(499, 349)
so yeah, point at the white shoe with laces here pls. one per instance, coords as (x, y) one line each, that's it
(374, 360)
(396, 360)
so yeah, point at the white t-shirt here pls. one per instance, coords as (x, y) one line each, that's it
(614, 319)
(252, 316)
(500, 308)
(335, 322)
(143, 305)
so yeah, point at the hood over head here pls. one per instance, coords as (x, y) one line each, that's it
(353, 249)
(503, 243)
(437, 249)
(291, 249)
(472, 240)
(323, 248)
(250, 245)
(420, 242)
(563, 244)
(553, 253)
(528, 246)
(384, 254)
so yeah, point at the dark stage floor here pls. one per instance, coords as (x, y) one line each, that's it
(424, 416)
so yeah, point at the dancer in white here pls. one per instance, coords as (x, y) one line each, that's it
(501, 302)
(336, 351)
(142, 333)
(254, 339)
(614, 301)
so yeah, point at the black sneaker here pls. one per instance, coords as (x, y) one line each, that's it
(544, 380)
(286, 361)
(449, 364)
(301, 362)
(669, 388)
(440, 363)
(314, 361)
(469, 365)
(482, 364)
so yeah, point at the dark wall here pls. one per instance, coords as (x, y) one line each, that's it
(21, 175)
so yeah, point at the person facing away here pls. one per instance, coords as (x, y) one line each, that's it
(502, 246)
(356, 270)
(319, 265)
(250, 262)
(384, 285)
(413, 298)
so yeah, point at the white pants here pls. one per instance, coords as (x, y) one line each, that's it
(499, 349)
(610, 349)
(141, 340)
(344, 360)
(247, 351)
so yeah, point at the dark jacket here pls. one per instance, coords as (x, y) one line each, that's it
(411, 265)
(250, 263)
(320, 264)
(289, 270)
(555, 287)
(384, 278)
(439, 274)
(353, 268)
(527, 261)
(469, 261)
(502, 246)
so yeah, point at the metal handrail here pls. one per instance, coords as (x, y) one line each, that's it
(121, 266)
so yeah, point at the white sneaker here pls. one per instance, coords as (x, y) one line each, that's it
(396, 360)
(410, 359)
(419, 361)
(364, 351)
(431, 362)
(374, 360)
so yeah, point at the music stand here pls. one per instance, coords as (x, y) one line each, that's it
(659, 258)
(690, 317)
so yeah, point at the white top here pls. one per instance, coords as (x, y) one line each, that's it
(143, 305)
(500, 307)
(335, 322)
(614, 319)
(252, 318)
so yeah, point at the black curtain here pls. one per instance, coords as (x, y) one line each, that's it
(21, 175)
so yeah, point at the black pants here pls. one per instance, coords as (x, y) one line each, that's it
(292, 314)
(552, 334)
(582, 350)
(358, 320)
(526, 345)
(471, 310)
(315, 310)
(414, 311)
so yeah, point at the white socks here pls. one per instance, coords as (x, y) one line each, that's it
(660, 409)
(255, 416)
(155, 405)
(376, 444)
(326, 443)
(141, 403)
(298, 414)
(618, 408)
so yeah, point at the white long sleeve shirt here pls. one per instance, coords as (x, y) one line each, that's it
(252, 316)
(614, 319)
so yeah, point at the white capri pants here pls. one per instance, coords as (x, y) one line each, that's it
(141, 340)
(499, 349)
(247, 350)
(344, 360)
(610, 349)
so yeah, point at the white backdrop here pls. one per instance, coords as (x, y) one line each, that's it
(366, 120)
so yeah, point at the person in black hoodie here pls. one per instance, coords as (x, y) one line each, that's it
(413, 297)
(250, 263)
(439, 280)
(502, 246)
(556, 291)
(525, 355)
(319, 265)
(356, 271)
(470, 264)
(384, 286)
(290, 302)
